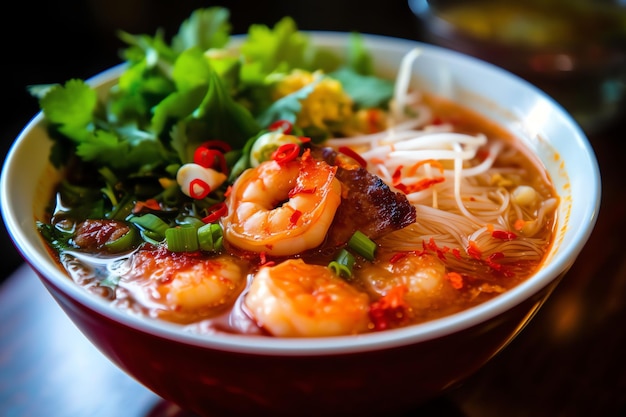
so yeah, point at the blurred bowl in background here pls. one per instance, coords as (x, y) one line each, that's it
(574, 50)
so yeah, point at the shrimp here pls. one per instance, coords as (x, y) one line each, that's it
(282, 209)
(295, 299)
(423, 277)
(184, 287)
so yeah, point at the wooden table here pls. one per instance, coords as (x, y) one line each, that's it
(570, 360)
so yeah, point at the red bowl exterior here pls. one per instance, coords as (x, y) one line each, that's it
(212, 382)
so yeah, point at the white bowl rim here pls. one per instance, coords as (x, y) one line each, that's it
(560, 263)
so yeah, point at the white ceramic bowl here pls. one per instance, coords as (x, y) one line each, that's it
(366, 373)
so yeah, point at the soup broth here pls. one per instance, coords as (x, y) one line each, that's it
(429, 269)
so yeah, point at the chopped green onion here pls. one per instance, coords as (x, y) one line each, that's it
(108, 191)
(123, 209)
(343, 264)
(210, 237)
(124, 242)
(152, 223)
(182, 238)
(193, 221)
(152, 237)
(362, 245)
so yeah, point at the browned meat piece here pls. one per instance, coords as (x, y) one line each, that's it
(369, 205)
(94, 234)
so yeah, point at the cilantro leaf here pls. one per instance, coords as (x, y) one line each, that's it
(205, 29)
(219, 116)
(151, 51)
(123, 149)
(282, 47)
(287, 107)
(366, 90)
(71, 107)
(204, 103)
(359, 58)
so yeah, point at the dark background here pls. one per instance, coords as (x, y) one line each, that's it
(53, 41)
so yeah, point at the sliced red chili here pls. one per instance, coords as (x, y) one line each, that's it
(284, 126)
(210, 158)
(220, 145)
(216, 211)
(285, 153)
(199, 188)
(346, 150)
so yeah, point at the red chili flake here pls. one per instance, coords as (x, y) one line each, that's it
(482, 154)
(298, 189)
(519, 224)
(496, 255)
(397, 256)
(455, 279)
(419, 186)
(305, 139)
(285, 153)
(348, 151)
(457, 253)
(504, 235)
(507, 272)
(397, 176)
(373, 119)
(441, 252)
(306, 155)
(295, 216)
(437, 121)
(473, 250)
(148, 205)
(391, 310)
(284, 126)
(263, 260)
(216, 211)
(199, 188)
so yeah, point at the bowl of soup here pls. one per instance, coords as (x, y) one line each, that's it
(259, 231)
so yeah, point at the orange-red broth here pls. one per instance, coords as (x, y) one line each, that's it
(464, 287)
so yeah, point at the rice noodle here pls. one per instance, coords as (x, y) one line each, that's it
(466, 203)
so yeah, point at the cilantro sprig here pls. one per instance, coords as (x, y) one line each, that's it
(174, 95)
